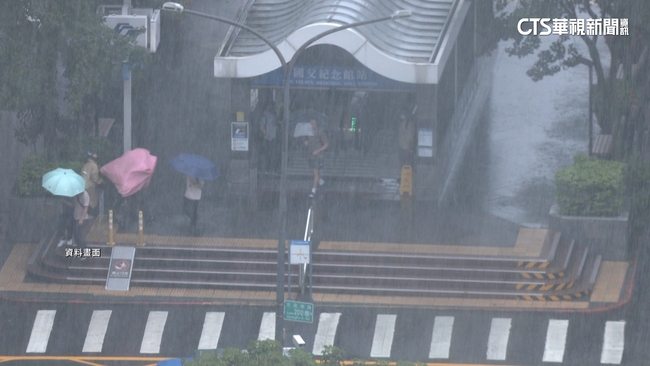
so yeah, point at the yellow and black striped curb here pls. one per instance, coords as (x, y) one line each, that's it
(546, 287)
(542, 276)
(532, 265)
(573, 296)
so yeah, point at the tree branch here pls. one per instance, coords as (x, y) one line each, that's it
(589, 10)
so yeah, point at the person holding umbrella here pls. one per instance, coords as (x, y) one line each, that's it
(193, 189)
(90, 172)
(316, 144)
(197, 169)
(66, 221)
(81, 205)
(67, 183)
(131, 174)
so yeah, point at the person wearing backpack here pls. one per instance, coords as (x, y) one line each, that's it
(316, 144)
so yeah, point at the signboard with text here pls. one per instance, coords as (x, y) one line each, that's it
(296, 311)
(120, 268)
(331, 76)
(299, 252)
(239, 136)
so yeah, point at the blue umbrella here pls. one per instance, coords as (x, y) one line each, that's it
(195, 166)
(64, 182)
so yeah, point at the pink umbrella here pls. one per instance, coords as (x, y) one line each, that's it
(131, 172)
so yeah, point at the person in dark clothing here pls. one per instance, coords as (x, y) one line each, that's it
(193, 189)
(66, 221)
(269, 152)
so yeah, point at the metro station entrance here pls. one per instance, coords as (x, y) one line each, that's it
(357, 109)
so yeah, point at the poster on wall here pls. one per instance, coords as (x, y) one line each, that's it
(425, 143)
(239, 136)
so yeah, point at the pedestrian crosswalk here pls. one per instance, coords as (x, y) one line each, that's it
(153, 332)
(41, 331)
(211, 330)
(614, 342)
(555, 340)
(383, 336)
(498, 341)
(382, 331)
(97, 331)
(441, 337)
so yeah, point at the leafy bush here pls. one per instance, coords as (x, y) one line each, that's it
(269, 353)
(30, 178)
(590, 187)
(332, 356)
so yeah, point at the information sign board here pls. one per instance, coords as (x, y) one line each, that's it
(298, 311)
(239, 136)
(299, 252)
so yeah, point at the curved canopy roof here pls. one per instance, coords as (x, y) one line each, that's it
(411, 50)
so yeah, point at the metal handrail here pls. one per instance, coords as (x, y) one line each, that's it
(309, 230)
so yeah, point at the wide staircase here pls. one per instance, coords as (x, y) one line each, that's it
(555, 269)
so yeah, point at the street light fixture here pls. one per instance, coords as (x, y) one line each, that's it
(399, 14)
(173, 7)
(287, 67)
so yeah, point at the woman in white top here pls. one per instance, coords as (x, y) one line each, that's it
(193, 187)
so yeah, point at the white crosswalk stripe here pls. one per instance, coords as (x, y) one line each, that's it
(613, 343)
(555, 340)
(327, 324)
(153, 332)
(211, 330)
(41, 331)
(267, 328)
(382, 340)
(97, 331)
(498, 339)
(441, 337)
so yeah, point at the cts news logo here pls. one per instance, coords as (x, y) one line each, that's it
(537, 24)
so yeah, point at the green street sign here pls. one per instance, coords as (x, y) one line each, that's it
(298, 311)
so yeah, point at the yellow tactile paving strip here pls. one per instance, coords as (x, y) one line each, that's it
(609, 283)
(13, 273)
(529, 244)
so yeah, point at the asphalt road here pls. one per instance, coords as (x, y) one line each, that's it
(471, 337)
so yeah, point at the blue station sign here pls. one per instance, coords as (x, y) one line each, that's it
(331, 76)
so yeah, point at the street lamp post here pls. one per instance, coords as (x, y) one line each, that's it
(287, 67)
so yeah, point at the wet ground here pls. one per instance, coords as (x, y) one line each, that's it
(531, 130)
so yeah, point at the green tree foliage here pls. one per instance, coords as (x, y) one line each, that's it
(29, 183)
(332, 356)
(590, 187)
(269, 353)
(58, 50)
(611, 96)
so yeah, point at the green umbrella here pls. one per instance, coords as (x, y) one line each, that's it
(64, 182)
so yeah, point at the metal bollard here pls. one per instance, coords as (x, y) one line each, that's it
(140, 230)
(111, 240)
